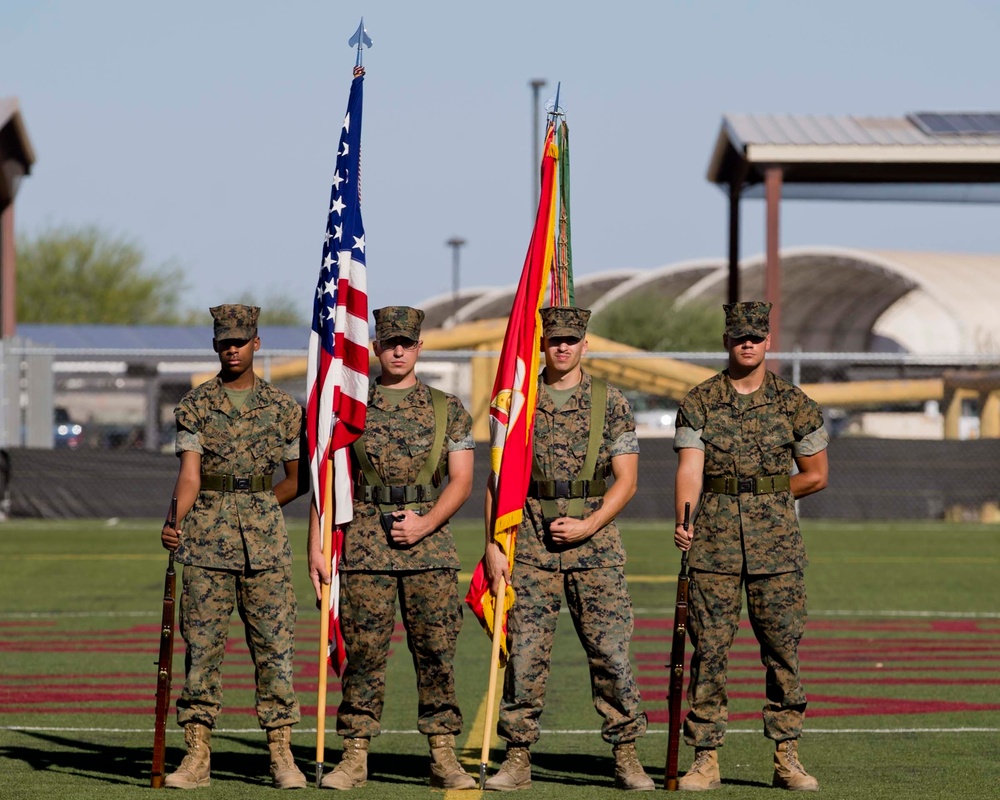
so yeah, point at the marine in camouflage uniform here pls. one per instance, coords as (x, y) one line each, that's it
(233, 434)
(738, 435)
(410, 555)
(568, 543)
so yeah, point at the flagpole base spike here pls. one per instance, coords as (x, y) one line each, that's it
(482, 776)
(319, 774)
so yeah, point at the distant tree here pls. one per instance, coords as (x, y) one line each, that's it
(277, 309)
(68, 275)
(652, 322)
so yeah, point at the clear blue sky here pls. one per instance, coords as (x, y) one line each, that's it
(205, 130)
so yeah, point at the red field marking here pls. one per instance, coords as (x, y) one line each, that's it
(840, 707)
(664, 680)
(104, 676)
(835, 653)
(821, 705)
(871, 654)
(27, 623)
(845, 707)
(976, 626)
(44, 697)
(132, 693)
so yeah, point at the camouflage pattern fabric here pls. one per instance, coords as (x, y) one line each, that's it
(748, 319)
(565, 321)
(234, 321)
(599, 603)
(393, 321)
(237, 530)
(265, 601)
(760, 532)
(432, 616)
(561, 439)
(591, 574)
(397, 440)
(777, 609)
(747, 539)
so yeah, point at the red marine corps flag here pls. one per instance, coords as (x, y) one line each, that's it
(512, 410)
(338, 375)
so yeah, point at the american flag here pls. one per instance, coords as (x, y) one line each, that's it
(338, 353)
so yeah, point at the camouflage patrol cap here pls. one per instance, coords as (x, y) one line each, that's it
(747, 319)
(235, 322)
(565, 321)
(398, 321)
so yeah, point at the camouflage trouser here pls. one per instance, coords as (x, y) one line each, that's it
(432, 617)
(601, 609)
(777, 608)
(266, 604)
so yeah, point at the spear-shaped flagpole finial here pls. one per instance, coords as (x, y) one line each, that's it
(552, 107)
(360, 38)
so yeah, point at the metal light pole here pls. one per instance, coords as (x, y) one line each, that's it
(455, 243)
(536, 85)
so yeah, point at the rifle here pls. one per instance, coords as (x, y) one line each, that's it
(164, 665)
(676, 665)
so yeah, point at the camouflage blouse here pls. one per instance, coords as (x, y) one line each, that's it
(744, 437)
(561, 439)
(397, 440)
(237, 530)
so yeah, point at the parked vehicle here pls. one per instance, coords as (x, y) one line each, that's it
(67, 433)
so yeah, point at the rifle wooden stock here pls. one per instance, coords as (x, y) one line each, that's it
(164, 666)
(676, 665)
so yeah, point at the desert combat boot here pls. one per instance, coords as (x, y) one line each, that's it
(704, 772)
(514, 773)
(629, 774)
(195, 769)
(446, 772)
(788, 770)
(352, 771)
(286, 775)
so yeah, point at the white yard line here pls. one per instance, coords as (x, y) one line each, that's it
(547, 731)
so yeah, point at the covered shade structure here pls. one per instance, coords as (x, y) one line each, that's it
(16, 159)
(919, 157)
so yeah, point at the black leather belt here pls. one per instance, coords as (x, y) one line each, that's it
(762, 484)
(235, 483)
(553, 490)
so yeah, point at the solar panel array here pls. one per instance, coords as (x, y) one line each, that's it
(936, 124)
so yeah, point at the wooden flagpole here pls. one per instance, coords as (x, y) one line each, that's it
(491, 688)
(324, 626)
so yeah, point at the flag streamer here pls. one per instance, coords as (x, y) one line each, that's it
(562, 267)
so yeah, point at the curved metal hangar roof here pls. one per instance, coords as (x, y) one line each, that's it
(840, 299)
(836, 299)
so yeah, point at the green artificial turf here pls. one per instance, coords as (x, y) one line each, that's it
(900, 662)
